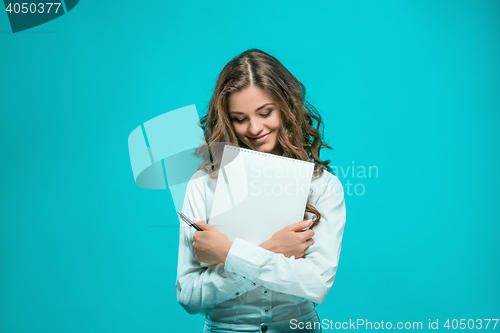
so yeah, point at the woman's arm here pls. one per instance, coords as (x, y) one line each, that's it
(310, 277)
(199, 287)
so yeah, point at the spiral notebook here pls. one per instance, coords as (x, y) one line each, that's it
(258, 194)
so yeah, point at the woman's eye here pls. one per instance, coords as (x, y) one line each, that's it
(266, 114)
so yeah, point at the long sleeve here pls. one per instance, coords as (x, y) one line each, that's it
(310, 277)
(199, 287)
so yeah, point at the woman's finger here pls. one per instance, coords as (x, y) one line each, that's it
(299, 225)
(308, 233)
(201, 224)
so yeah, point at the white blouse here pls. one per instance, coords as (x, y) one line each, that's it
(255, 284)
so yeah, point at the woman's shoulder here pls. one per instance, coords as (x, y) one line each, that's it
(326, 183)
(326, 177)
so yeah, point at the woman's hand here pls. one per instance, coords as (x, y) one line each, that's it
(210, 245)
(291, 240)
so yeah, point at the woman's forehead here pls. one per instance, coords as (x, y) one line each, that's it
(249, 99)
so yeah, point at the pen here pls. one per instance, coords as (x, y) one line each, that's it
(188, 221)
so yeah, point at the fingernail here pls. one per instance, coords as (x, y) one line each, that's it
(195, 219)
(309, 221)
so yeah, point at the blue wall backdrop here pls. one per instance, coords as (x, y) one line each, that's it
(410, 88)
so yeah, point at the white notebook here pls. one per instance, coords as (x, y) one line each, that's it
(258, 194)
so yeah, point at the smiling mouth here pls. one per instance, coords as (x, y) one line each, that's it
(261, 138)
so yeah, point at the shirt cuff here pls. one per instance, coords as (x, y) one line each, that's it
(245, 258)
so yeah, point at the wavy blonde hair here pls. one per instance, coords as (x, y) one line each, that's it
(300, 133)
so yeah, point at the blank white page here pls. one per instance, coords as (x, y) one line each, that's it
(258, 194)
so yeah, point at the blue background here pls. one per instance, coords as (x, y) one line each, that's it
(411, 87)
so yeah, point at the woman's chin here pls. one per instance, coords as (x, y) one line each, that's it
(269, 150)
(267, 147)
(262, 148)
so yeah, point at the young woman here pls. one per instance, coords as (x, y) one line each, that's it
(275, 286)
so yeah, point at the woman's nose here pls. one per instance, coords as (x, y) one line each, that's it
(255, 127)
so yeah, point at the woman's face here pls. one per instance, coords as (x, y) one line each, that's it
(256, 119)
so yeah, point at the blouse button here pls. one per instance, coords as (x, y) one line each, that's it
(265, 292)
(263, 328)
(237, 294)
(266, 311)
(254, 283)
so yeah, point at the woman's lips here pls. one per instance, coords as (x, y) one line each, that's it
(261, 138)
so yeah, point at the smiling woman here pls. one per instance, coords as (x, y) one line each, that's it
(258, 122)
(243, 287)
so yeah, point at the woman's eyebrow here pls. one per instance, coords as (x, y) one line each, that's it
(259, 108)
